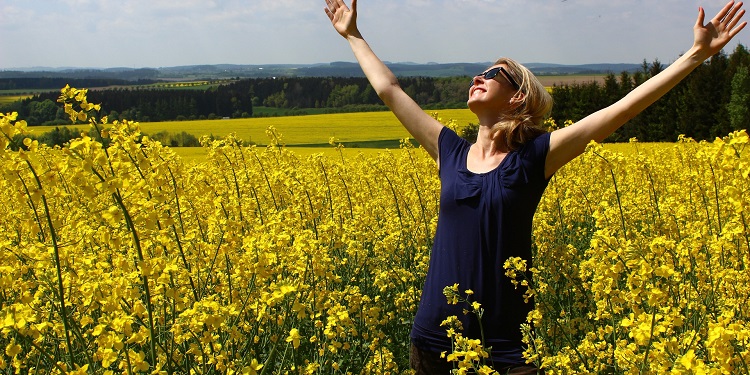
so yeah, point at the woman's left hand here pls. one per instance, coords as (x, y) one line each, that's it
(713, 36)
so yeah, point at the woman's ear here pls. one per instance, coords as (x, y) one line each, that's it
(517, 100)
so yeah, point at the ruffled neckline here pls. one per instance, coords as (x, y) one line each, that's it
(509, 173)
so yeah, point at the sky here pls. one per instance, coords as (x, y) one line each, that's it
(161, 33)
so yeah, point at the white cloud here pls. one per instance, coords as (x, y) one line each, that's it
(168, 32)
(12, 16)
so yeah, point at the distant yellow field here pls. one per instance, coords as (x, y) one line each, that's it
(198, 154)
(5, 99)
(312, 129)
(298, 130)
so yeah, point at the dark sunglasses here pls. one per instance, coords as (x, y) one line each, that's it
(492, 73)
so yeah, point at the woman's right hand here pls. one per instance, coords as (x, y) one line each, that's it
(344, 20)
(423, 127)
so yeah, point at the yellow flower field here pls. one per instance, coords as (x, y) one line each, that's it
(299, 130)
(200, 154)
(642, 258)
(123, 258)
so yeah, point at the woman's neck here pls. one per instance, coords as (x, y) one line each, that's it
(490, 144)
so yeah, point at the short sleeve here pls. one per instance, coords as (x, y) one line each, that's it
(534, 156)
(448, 142)
(450, 148)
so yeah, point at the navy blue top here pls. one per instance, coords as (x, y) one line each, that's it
(484, 219)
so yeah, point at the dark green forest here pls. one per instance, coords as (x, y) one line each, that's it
(237, 99)
(711, 102)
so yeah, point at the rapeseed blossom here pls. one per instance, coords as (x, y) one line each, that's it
(639, 261)
(119, 257)
(294, 337)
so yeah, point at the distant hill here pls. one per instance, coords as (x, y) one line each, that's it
(558, 69)
(334, 69)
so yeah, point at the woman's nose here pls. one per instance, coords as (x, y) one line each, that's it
(477, 79)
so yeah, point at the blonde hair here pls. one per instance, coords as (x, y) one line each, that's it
(525, 122)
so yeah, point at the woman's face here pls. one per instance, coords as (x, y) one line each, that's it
(492, 89)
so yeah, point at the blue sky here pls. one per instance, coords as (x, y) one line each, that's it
(155, 33)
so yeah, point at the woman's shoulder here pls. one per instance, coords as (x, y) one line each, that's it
(449, 140)
(537, 145)
(529, 159)
(451, 149)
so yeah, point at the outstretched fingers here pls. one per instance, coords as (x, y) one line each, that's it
(343, 18)
(327, 9)
(728, 12)
(734, 20)
(331, 6)
(334, 5)
(729, 17)
(723, 12)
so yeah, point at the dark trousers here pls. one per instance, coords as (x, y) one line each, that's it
(429, 363)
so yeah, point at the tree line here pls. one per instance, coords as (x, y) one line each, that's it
(710, 102)
(40, 83)
(141, 104)
(128, 76)
(237, 99)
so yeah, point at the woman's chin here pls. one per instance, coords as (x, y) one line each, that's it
(475, 104)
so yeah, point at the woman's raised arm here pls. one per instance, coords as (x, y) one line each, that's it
(419, 124)
(709, 39)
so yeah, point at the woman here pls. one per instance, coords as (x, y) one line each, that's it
(490, 189)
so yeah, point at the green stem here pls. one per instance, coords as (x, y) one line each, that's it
(650, 341)
(716, 199)
(144, 279)
(58, 267)
(268, 181)
(38, 220)
(328, 186)
(617, 195)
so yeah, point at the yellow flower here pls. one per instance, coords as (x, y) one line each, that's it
(486, 370)
(451, 292)
(294, 337)
(688, 360)
(12, 349)
(252, 368)
(80, 370)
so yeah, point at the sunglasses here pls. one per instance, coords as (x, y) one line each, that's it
(492, 73)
